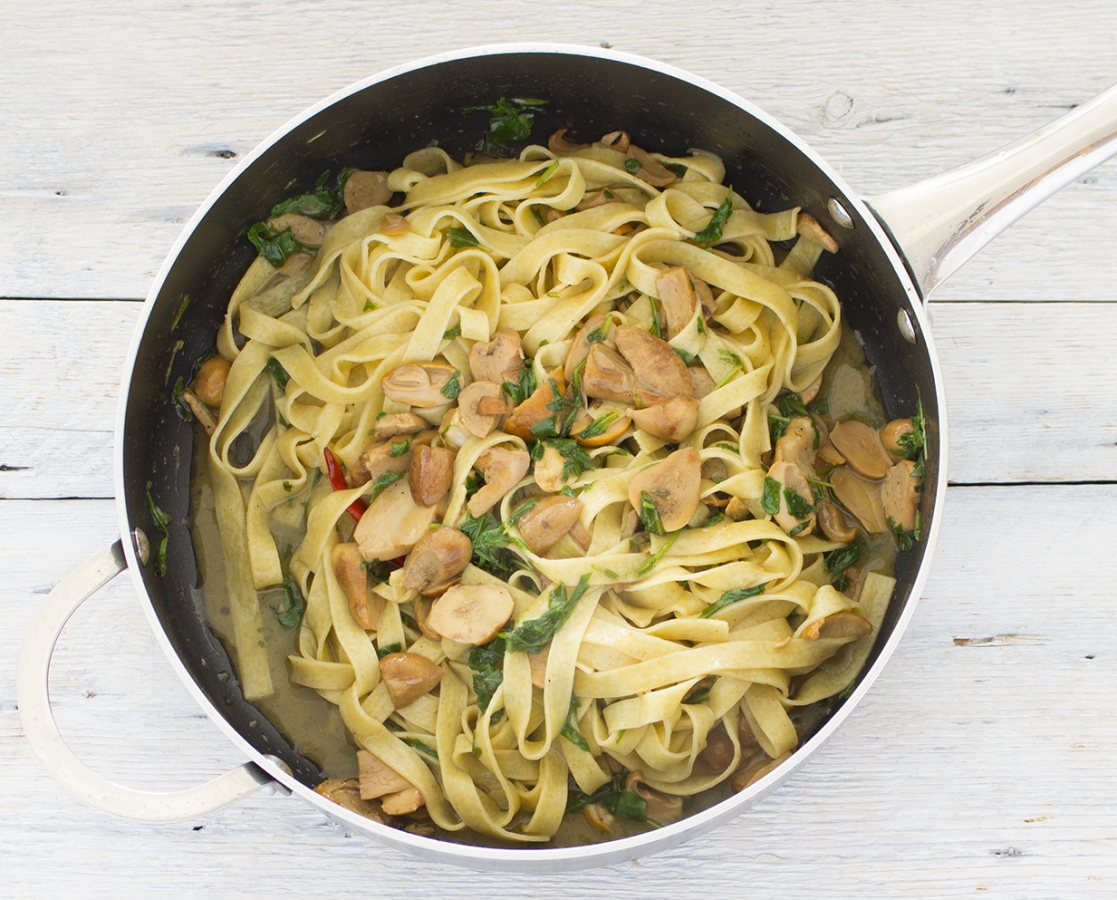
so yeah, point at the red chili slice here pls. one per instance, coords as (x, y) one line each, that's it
(337, 480)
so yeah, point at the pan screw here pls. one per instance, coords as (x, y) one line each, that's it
(143, 547)
(906, 328)
(838, 213)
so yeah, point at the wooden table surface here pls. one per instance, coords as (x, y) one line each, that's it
(982, 759)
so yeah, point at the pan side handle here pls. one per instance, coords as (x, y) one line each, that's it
(33, 697)
(938, 224)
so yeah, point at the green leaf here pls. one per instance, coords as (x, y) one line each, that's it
(570, 729)
(649, 514)
(524, 388)
(292, 614)
(275, 247)
(452, 333)
(453, 387)
(399, 448)
(463, 237)
(903, 538)
(651, 561)
(384, 480)
(711, 234)
(770, 501)
(278, 372)
(791, 405)
(547, 173)
(381, 652)
(321, 203)
(510, 121)
(677, 168)
(162, 522)
(614, 796)
(842, 558)
(598, 427)
(490, 544)
(421, 746)
(797, 504)
(730, 597)
(525, 507)
(181, 406)
(181, 309)
(535, 634)
(632, 166)
(576, 459)
(487, 663)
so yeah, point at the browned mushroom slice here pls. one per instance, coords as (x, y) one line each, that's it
(408, 676)
(615, 140)
(756, 771)
(473, 404)
(437, 558)
(791, 478)
(651, 170)
(607, 375)
(862, 449)
(899, 495)
(810, 392)
(557, 143)
(598, 433)
(421, 606)
(660, 372)
(394, 224)
(536, 408)
(394, 424)
(676, 294)
(596, 198)
(200, 410)
(661, 808)
(890, 435)
(580, 346)
(844, 624)
(349, 567)
(419, 384)
(393, 524)
(346, 792)
(377, 459)
(860, 497)
(598, 817)
(209, 383)
(833, 523)
(673, 486)
(671, 420)
(377, 777)
(797, 445)
(498, 360)
(828, 454)
(503, 470)
(808, 227)
(430, 474)
(402, 803)
(544, 525)
(365, 189)
(307, 231)
(471, 613)
(705, 296)
(538, 663)
(717, 755)
(700, 381)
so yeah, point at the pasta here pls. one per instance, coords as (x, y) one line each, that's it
(511, 442)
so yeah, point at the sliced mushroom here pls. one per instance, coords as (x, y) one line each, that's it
(580, 346)
(670, 420)
(200, 410)
(376, 459)
(394, 224)
(473, 404)
(756, 771)
(736, 509)
(701, 381)
(843, 624)
(833, 523)
(377, 777)
(349, 567)
(307, 231)
(429, 474)
(860, 497)
(899, 495)
(599, 818)
(660, 372)
(717, 755)
(828, 454)
(209, 383)
(607, 375)
(419, 384)
(402, 803)
(393, 524)
(674, 486)
(676, 294)
(538, 663)
(651, 170)
(862, 449)
(536, 408)
(557, 143)
(705, 296)
(890, 435)
(808, 394)
(797, 445)
(503, 470)
(471, 613)
(548, 469)
(791, 477)
(661, 808)
(394, 424)
(346, 793)
(421, 606)
(808, 227)
(580, 535)
(595, 199)
(548, 521)
(365, 189)
(615, 140)
(408, 676)
(498, 360)
(437, 558)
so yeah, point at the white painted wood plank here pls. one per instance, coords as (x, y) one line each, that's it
(981, 759)
(1029, 392)
(114, 116)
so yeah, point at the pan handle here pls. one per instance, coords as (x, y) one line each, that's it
(938, 224)
(33, 697)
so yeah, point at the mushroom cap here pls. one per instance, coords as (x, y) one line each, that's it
(862, 448)
(473, 420)
(503, 470)
(607, 375)
(364, 189)
(545, 524)
(670, 420)
(438, 556)
(393, 523)
(660, 372)
(209, 383)
(498, 360)
(430, 473)
(674, 485)
(408, 676)
(471, 613)
(860, 497)
(790, 476)
(418, 384)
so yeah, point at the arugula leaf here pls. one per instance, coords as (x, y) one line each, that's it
(791, 405)
(770, 500)
(649, 514)
(711, 234)
(614, 796)
(275, 247)
(525, 507)
(162, 522)
(577, 460)
(914, 443)
(842, 558)
(510, 121)
(598, 427)
(570, 729)
(487, 663)
(292, 614)
(490, 544)
(181, 406)
(535, 634)
(524, 388)
(463, 237)
(730, 597)
(384, 480)
(278, 372)
(651, 561)
(453, 387)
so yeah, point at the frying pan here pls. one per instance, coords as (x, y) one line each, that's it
(895, 250)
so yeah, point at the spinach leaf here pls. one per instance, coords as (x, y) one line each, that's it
(842, 558)
(162, 522)
(598, 427)
(535, 634)
(649, 515)
(463, 237)
(387, 649)
(614, 796)
(490, 543)
(384, 480)
(730, 597)
(632, 166)
(292, 614)
(712, 232)
(278, 372)
(797, 505)
(510, 121)
(321, 203)
(487, 663)
(524, 388)
(453, 387)
(770, 500)
(576, 459)
(677, 168)
(570, 729)
(275, 247)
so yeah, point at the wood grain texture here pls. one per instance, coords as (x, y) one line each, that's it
(980, 759)
(121, 119)
(1029, 392)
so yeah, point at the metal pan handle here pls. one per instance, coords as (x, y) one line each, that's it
(33, 696)
(938, 224)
